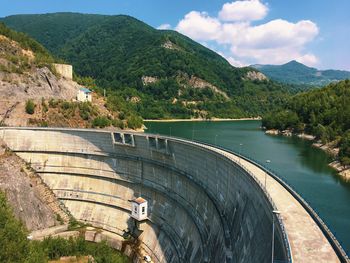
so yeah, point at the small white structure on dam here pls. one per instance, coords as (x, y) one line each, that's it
(139, 209)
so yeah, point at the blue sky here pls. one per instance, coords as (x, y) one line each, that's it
(315, 32)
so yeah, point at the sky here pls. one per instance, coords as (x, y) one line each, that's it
(313, 32)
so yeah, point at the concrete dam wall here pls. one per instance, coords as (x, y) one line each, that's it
(203, 206)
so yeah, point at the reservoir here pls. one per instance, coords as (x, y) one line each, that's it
(294, 160)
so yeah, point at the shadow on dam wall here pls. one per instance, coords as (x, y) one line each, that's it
(203, 207)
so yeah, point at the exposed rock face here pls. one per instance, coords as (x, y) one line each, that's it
(16, 89)
(8, 46)
(22, 79)
(24, 194)
(135, 99)
(170, 45)
(255, 75)
(148, 80)
(201, 84)
(36, 84)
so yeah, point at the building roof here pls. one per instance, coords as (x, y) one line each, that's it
(139, 200)
(85, 90)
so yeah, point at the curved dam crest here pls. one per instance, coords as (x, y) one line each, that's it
(205, 204)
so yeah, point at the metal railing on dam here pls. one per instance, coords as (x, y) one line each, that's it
(326, 231)
(205, 206)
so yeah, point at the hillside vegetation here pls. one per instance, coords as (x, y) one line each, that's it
(32, 93)
(299, 74)
(15, 247)
(324, 113)
(162, 73)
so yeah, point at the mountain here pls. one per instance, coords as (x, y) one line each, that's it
(296, 73)
(162, 73)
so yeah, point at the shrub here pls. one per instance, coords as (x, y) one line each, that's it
(101, 122)
(134, 122)
(30, 107)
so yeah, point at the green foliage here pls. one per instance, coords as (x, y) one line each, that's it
(42, 56)
(86, 110)
(324, 113)
(13, 236)
(134, 122)
(117, 51)
(15, 247)
(344, 151)
(101, 122)
(30, 107)
(281, 120)
(44, 105)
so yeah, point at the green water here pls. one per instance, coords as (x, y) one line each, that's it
(294, 160)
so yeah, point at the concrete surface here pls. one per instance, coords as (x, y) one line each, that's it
(204, 206)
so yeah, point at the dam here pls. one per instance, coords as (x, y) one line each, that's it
(205, 204)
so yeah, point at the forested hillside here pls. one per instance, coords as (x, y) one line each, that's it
(299, 74)
(32, 93)
(324, 113)
(162, 74)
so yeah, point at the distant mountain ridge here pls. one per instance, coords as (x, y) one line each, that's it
(294, 72)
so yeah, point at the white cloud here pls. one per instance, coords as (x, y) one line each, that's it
(199, 26)
(164, 26)
(236, 63)
(275, 42)
(308, 59)
(278, 33)
(246, 10)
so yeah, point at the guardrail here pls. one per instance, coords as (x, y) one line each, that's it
(342, 255)
(344, 258)
(261, 187)
(326, 231)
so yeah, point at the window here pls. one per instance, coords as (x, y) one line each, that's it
(161, 144)
(118, 137)
(128, 139)
(152, 142)
(143, 210)
(135, 209)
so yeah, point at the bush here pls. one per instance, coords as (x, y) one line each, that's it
(30, 107)
(134, 122)
(101, 122)
(15, 247)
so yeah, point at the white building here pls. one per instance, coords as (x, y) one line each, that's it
(84, 95)
(139, 209)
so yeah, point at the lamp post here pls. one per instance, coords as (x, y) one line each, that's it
(239, 153)
(267, 161)
(274, 213)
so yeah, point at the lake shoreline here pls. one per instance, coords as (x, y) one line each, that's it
(343, 171)
(200, 119)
